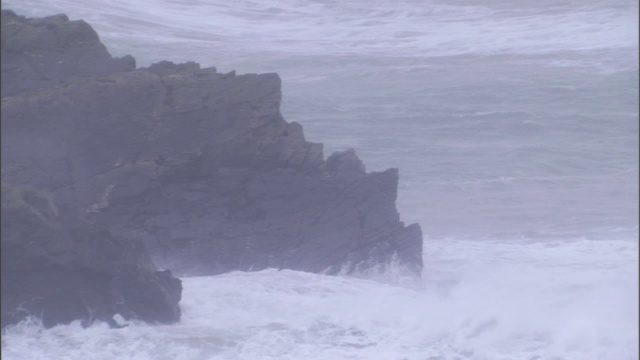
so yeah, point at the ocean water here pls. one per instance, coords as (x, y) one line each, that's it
(515, 128)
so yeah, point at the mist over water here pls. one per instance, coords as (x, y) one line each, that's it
(515, 128)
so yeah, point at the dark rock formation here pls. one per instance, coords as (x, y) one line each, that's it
(43, 53)
(202, 167)
(54, 265)
(60, 269)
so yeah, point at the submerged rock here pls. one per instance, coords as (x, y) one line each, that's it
(203, 169)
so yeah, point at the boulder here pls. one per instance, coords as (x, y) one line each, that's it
(203, 168)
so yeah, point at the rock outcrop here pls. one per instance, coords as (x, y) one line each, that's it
(199, 165)
(60, 269)
(43, 53)
(54, 265)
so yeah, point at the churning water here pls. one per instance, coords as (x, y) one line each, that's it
(515, 128)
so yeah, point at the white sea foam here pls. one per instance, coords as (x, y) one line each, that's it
(478, 300)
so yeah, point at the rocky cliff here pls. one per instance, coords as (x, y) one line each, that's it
(199, 165)
(60, 269)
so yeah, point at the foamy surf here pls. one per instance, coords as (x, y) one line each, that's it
(478, 300)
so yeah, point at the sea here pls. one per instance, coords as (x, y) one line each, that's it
(515, 128)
